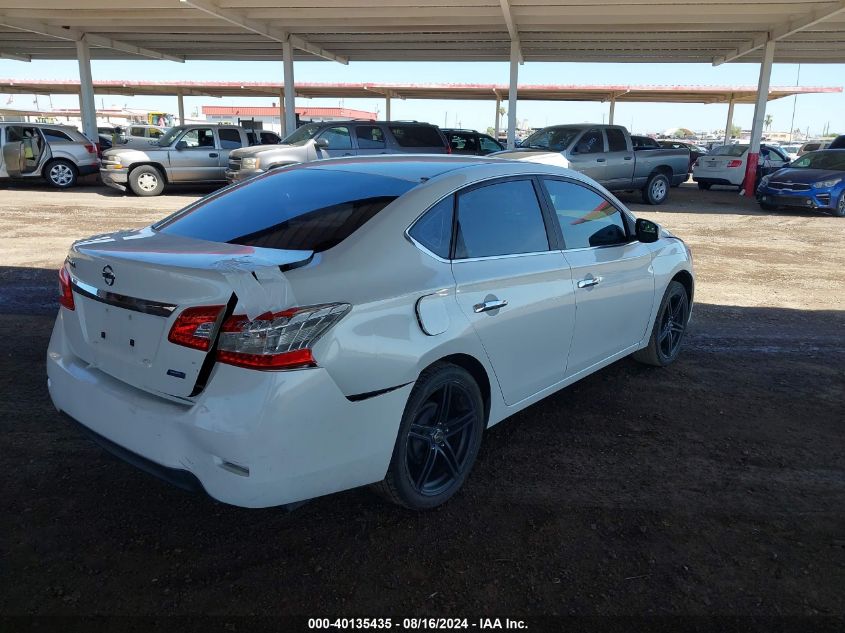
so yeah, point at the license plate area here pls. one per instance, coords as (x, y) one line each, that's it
(122, 337)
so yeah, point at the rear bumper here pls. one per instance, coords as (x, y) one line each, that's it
(87, 170)
(251, 439)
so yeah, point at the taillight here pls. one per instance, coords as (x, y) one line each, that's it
(277, 340)
(65, 291)
(735, 163)
(90, 148)
(194, 326)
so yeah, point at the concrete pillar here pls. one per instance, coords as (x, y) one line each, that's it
(498, 116)
(387, 108)
(282, 130)
(730, 121)
(613, 112)
(512, 87)
(759, 116)
(180, 102)
(87, 107)
(290, 91)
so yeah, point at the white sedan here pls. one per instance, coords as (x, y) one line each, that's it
(725, 164)
(356, 321)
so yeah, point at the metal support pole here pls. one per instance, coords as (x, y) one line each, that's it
(498, 117)
(512, 87)
(87, 107)
(387, 108)
(180, 101)
(759, 116)
(730, 122)
(282, 129)
(612, 111)
(290, 91)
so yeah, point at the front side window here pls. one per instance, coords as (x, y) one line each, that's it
(199, 137)
(503, 218)
(369, 137)
(434, 229)
(302, 135)
(299, 209)
(590, 143)
(554, 139)
(337, 137)
(155, 132)
(229, 138)
(586, 218)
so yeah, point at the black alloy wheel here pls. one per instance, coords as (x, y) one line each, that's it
(438, 439)
(669, 328)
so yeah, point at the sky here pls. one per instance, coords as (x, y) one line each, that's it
(815, 112)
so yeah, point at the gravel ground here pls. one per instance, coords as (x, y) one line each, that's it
(713, 487)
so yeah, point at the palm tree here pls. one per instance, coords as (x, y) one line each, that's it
(768, 121)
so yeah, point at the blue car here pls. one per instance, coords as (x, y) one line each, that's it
(816, 180)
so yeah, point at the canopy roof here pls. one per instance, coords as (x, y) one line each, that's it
(622, 93)
(712, 31)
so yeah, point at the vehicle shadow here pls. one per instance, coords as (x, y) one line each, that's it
(689, 199)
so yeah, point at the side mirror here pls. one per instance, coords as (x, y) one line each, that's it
(181, 145)
(647, 231)
(321, 143)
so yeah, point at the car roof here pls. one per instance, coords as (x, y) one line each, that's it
(424, 167)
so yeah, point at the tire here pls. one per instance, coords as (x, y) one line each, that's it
(656, 190)
(146, 180)
(669, 328)
(436, 447)
(704, 186)
(839, 209)
(768, 207)
(61, 174)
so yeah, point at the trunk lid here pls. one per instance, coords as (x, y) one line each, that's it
(129, 287)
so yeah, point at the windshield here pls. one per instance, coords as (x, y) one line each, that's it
(729, 150)
(555, 139)
(303, 134)
(168, 137)
(826, 159)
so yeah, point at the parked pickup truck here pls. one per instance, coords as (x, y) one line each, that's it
(605, 154)
(331, 139)
(196, 153)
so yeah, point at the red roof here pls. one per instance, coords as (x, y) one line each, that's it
(248, 111)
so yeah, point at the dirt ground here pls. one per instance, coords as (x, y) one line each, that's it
(713, 487)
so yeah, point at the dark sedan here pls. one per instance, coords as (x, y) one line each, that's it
(814, 181)
(695, 151)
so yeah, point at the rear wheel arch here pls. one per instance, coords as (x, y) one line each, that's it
(475, 369)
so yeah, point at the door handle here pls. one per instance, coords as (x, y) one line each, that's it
(629, 158)
(213, 155)
(487, 306)
(589, 282)
(600, 160)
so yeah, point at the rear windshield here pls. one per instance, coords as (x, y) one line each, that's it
(300, 209)
(729, 150)
(825, 159)
(416, 136)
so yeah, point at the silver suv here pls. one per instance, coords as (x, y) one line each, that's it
(58, 153)
(337, 138)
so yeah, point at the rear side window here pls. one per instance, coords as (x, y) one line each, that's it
(55, 136)
(299, 209)
(229, 138)
(434, 229)
(586, 218)
(615, 140)
(500, 219)
(369, 137)
(416, 136)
